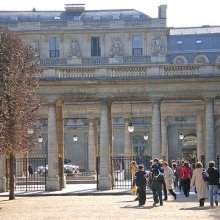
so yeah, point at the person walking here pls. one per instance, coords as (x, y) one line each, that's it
(141, 182)
(168, 177)
(134, 169)
(175, 175)
(30, 170)
(157, 180)
(186, 175)
(213, 183)
(200, 184)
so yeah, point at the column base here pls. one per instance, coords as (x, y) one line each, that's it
(52, 183)
(105, 182)
(2, 184)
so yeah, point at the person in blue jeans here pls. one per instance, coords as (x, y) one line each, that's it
(157, 181)
(213, 183)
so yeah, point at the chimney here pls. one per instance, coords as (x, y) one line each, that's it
(74, 7)
(162, 11)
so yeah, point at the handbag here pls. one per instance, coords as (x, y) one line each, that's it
(134, 190)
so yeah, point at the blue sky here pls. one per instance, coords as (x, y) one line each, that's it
(180, 13)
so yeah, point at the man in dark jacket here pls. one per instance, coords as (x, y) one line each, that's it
(213, 183)
(157, 181)
(140, 181)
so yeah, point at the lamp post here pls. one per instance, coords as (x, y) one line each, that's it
(75, 137)
(145, 137)
(181, 135)
(40, 139)
(130, 125)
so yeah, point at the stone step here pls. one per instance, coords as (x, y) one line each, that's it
(81, 181)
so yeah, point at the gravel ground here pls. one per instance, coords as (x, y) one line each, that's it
(102, 207)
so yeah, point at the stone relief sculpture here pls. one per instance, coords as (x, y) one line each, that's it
(75, 50)
(116, 48)
(157, 47)
(35, 46)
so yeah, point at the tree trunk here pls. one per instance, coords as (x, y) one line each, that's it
(12, 176)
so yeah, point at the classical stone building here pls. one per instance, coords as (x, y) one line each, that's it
(102, 70)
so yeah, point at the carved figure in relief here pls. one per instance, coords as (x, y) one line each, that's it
(157, 47)
(35, 46)
(116, 49)
(75, 49)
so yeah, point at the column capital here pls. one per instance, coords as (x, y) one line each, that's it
(208, 99)
(106, 101)
(156, 100)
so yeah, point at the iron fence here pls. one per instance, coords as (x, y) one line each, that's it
(122, 177)
(30, 174)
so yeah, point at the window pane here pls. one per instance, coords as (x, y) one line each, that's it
(54, 47)
(137, 41)
(95, 46)
(137, 45)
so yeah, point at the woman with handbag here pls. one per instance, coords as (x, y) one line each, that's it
(200, 184)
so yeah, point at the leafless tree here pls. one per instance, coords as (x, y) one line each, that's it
(19, 99)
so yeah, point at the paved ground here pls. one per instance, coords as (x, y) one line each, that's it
(102, 207)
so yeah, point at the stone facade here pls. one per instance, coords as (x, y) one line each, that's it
(101, 69)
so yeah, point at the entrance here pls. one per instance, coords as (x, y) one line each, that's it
(189, 153)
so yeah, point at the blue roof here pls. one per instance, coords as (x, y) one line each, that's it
(194, 43)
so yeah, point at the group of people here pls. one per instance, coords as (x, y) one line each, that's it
(162, 178)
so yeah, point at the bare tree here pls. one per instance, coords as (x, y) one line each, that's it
(19, 99)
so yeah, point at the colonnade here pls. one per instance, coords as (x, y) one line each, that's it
(159, 141)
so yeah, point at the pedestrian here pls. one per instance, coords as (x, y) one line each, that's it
(213, 182)
(186, 175)
(157, 180)
(141, 182)
(134, 169)
(200, 184)
(30, 170)
(168, 177)
(175, 175)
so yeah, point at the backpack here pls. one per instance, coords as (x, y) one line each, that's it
(159, 177)
(205, 175)
(186, 174)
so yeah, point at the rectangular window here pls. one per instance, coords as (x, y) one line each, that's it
(54, 47)
(95, 47)
(137, 45)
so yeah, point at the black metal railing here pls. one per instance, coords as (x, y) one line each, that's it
(122, 177)
(30, 174)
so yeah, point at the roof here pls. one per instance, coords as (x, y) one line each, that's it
(37, 16)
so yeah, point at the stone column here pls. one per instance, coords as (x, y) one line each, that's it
(217, 136)
(128, 146)
(52, 178)
(2, 175)
(105, 177)
(164, 146)
(60, 141)
(199, 137)
(92, 146)
(209, 131)
(156, 130)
